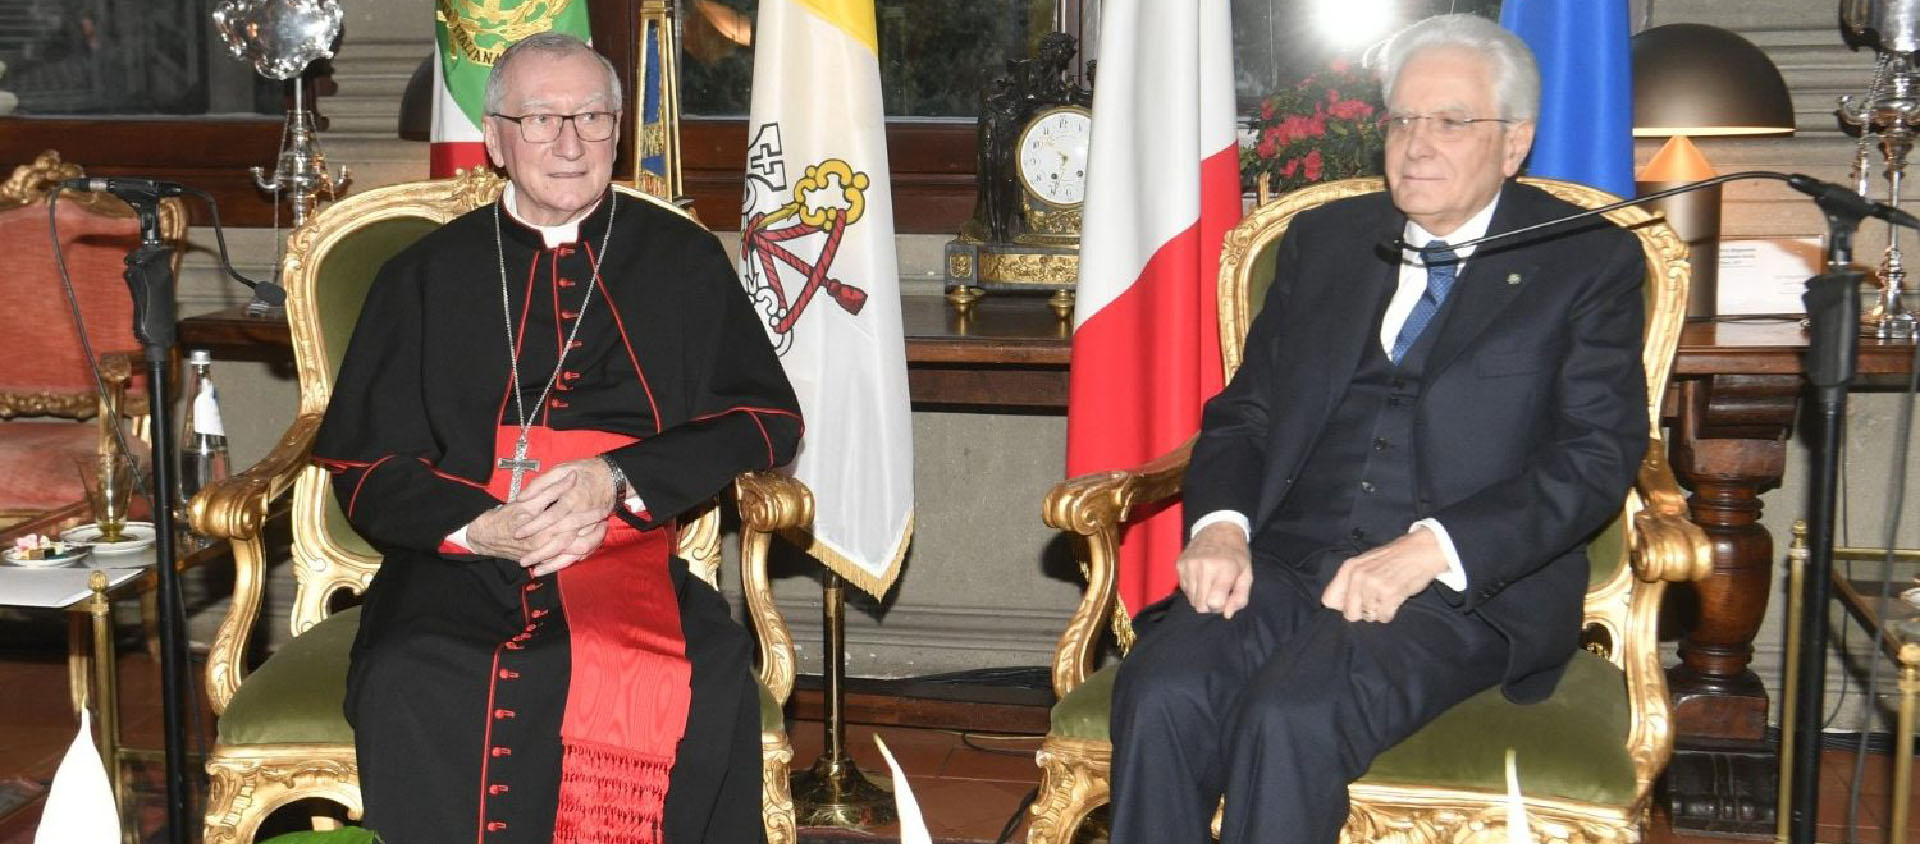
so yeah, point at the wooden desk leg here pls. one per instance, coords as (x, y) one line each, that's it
(1729, 444)
(1903, 762)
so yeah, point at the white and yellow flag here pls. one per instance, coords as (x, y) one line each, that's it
(817, 257)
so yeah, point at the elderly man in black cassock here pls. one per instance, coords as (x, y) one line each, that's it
(1389, 505)
(533, 394)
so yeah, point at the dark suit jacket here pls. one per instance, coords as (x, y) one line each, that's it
(1531, 422)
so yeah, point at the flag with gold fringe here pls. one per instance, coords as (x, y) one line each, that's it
(817, 257)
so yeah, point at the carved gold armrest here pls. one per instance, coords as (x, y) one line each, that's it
(1095, 506)
(236, 509)
(769, 502)
(1667, 544)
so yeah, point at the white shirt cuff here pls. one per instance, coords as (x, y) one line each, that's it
(1234, 517)
(459, 537)
(1455, 577)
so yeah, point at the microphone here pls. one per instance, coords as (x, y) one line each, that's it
(1834, 200)
(1852, 204)
(126, 189)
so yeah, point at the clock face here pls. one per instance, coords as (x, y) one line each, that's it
(1052, 155)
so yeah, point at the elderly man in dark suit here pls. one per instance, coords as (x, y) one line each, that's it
(1389, 504)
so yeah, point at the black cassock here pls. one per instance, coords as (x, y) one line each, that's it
(463, 666)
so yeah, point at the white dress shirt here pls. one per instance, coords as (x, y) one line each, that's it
(1412, 282)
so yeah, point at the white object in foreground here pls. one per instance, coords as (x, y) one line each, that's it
(913, 827)
(80, 807)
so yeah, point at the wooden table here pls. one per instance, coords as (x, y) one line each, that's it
(1735, 393)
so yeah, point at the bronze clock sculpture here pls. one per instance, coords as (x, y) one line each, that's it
(1032, 177)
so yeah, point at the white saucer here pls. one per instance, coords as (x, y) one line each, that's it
(136, 536)
(71, 558)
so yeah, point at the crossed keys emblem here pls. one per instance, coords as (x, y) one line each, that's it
(829, 198)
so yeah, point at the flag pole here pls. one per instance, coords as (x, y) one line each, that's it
(833, 792)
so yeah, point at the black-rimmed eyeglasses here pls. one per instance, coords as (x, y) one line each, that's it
(540, 128)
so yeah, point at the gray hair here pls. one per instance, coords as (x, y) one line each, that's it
(1516, 78)
(553, 44)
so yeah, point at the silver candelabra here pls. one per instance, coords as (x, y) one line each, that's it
(300, 173)
(1888, 113)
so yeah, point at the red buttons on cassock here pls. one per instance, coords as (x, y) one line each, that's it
(502, 751)
(567, 282)
(539, 613)
(498, 789)
(509, 674)
(570, 376)
(569, 314)
(563, 250)
(515, 646)
(496, 826)
(556, 403)
(502, 714)
(576, 344)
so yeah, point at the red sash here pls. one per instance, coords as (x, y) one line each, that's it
(629, 689)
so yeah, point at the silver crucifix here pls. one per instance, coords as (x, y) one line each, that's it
(520, 464)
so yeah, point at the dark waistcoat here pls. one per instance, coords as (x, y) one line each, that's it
(1356, 489)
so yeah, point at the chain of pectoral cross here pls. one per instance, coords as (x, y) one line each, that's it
(520, 464)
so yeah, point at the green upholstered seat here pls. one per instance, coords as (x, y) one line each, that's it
(1568, 746)
(295, 697)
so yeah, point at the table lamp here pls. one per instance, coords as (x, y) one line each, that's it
(1693, 80)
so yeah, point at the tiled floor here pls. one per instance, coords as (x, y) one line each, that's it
(969, 784)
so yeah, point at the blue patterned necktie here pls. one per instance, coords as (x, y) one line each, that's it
(1441, 266)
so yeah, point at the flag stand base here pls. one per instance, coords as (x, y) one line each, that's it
(833, 792)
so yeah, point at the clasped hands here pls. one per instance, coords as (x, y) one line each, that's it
(1216, 574)
(559, 518)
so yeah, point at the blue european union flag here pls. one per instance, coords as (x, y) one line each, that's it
(652, 158)
(1585, 130)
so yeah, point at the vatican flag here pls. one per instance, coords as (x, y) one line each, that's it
(817, 257)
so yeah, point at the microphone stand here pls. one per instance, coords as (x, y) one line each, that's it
(1833, 311)
(149, 276)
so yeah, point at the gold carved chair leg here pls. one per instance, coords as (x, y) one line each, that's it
(776, 802)
(1073, 782)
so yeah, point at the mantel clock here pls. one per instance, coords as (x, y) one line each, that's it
(1024, 234)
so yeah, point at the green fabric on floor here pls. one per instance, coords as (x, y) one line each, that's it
(346, 835)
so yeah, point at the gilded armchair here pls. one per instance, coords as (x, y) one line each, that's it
(1588, 755)
(49, 375)
(282, 737)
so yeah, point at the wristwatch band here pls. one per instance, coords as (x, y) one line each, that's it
(620, 486)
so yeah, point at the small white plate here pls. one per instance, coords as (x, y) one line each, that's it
(136, 536)
(74, 555)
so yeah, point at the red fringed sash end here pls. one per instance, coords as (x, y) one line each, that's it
(610, 795)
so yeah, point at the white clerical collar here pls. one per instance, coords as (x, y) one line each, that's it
(554, 235)
(1476, 226)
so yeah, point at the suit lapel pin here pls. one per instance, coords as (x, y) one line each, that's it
(1513, 279)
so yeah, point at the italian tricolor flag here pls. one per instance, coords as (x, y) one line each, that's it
(468, 37)
(1163, 188)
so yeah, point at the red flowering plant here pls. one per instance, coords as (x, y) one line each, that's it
(1324, 128)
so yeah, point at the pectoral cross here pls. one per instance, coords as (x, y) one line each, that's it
(520, 464)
